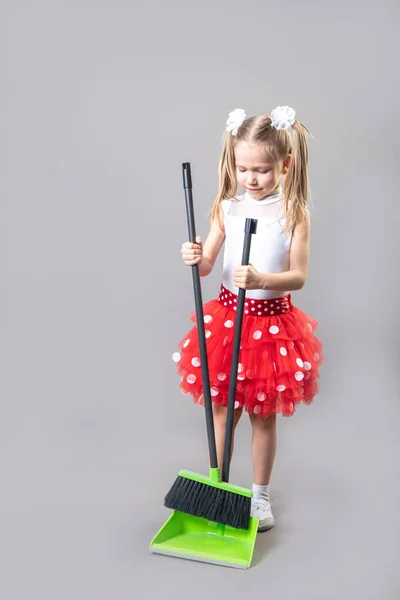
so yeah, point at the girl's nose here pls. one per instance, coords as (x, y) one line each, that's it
(252, 180)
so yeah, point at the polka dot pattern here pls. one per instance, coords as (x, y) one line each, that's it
(259, 307)
(279, 357)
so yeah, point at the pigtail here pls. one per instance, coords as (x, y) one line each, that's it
(296, 185)
(227, 178)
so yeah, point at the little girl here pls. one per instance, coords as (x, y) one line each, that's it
(279, 354)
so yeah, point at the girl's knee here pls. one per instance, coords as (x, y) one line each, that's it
(220, 414)
(263, 423)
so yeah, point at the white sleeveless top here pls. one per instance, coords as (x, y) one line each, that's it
(270, 245)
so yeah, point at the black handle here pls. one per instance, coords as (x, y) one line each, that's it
(187, 175)
(187, 184)
(249, 229)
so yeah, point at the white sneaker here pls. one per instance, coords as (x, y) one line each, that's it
(261, 510)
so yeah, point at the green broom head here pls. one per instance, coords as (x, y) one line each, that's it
(210, 498)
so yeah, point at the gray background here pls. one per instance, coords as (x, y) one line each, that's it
(101, 103)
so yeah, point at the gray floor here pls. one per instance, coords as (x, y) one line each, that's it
(82, 490)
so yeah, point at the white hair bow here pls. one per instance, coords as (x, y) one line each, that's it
(235, 119)
(282, 117)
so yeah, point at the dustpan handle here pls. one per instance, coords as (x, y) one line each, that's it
(249, 229)
(187, 184)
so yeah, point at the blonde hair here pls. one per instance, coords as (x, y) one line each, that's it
(278, 145)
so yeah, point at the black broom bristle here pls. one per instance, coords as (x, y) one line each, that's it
(211, 503)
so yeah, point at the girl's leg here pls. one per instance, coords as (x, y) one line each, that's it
(263, 455)
(263, 448)
(220, 413)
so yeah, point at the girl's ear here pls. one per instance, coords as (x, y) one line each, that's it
(286, 164)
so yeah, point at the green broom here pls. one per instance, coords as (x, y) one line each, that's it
(192, 493)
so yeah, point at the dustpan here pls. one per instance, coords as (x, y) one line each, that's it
(193, 537)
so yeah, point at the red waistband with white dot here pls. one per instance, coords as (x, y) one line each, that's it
(255, 306)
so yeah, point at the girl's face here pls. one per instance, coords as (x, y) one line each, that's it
(256, 174)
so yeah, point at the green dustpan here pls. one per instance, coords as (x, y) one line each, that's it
(192, 537)
(185, 536)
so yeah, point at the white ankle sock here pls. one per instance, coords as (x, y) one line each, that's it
(260, 492)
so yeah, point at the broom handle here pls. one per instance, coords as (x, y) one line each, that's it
(187, 184)
(249, 229)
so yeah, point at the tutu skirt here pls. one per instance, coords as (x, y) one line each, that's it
(278, 361)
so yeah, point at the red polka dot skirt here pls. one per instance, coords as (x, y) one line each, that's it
(278, 361)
